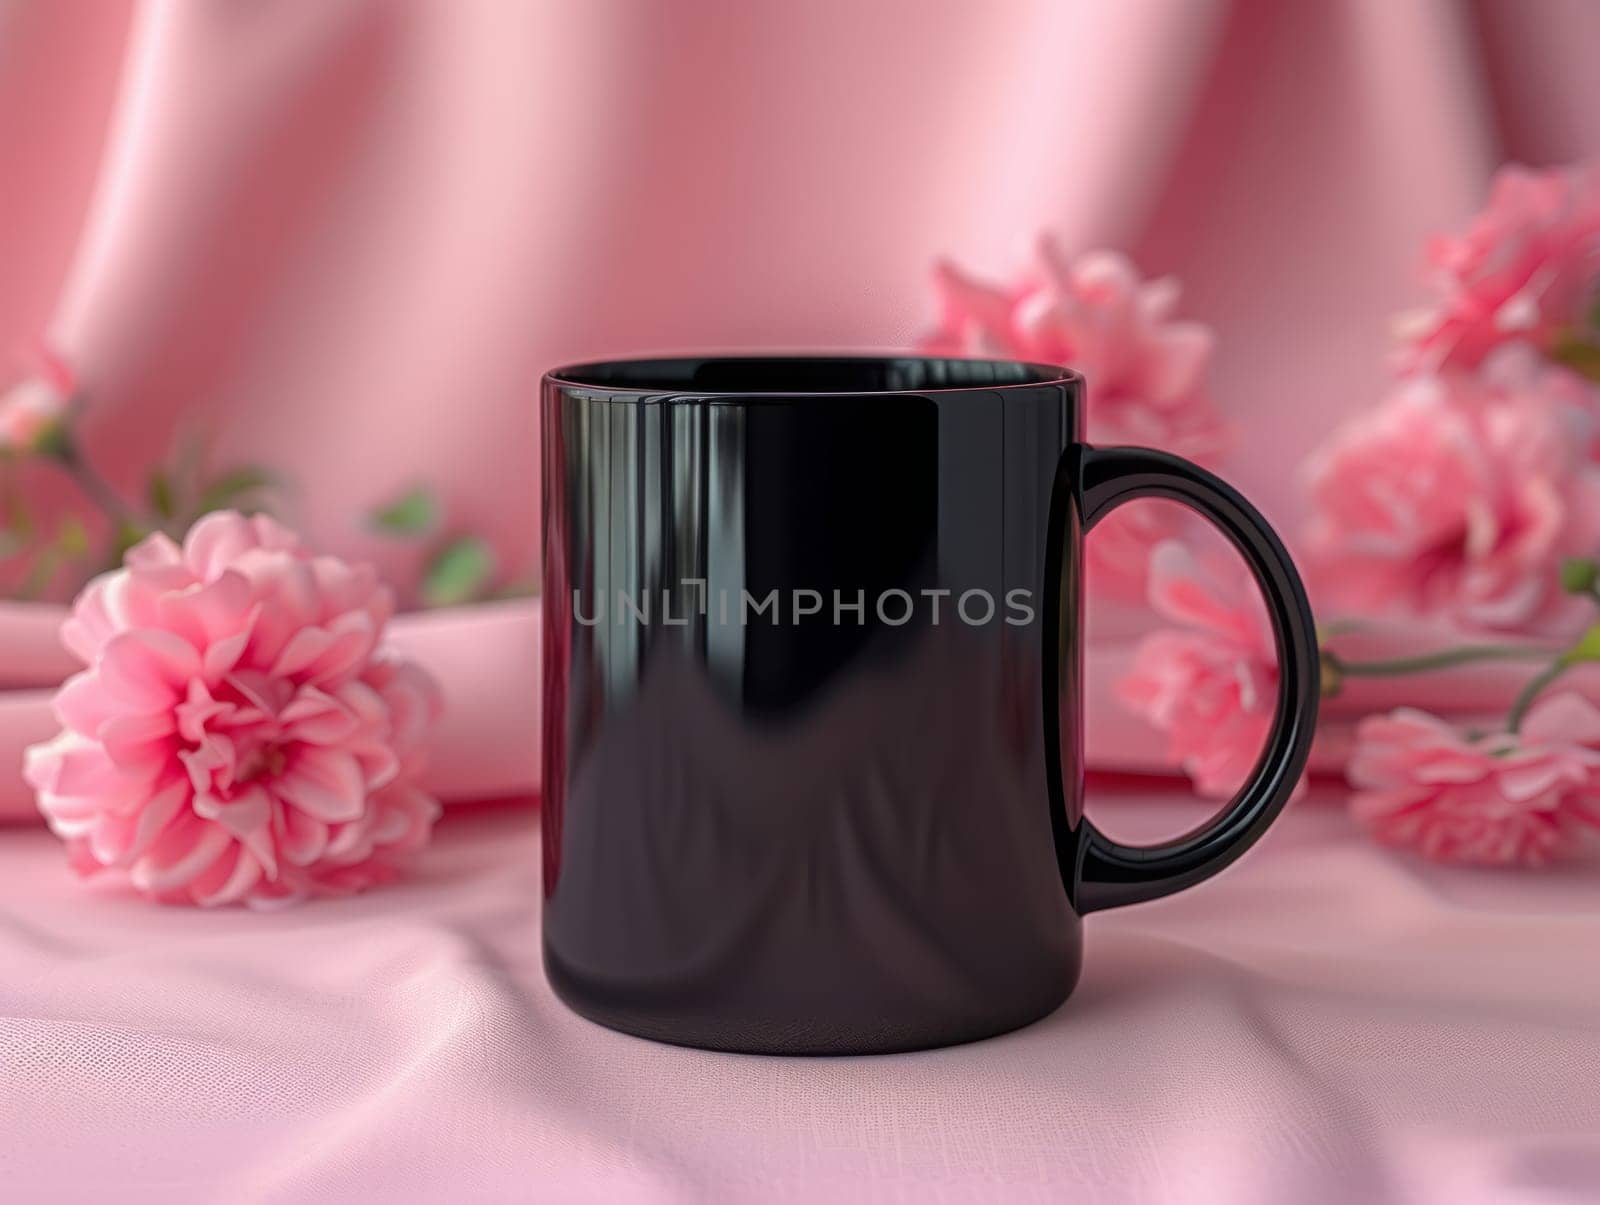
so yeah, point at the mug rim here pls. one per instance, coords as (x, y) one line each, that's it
(586, 375)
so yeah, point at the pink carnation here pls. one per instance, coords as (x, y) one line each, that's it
(1146, 371)
(1459, 497)
(1212, 686)
(238, 735)
(1524, 269)
(36, 403)
(1500, 799)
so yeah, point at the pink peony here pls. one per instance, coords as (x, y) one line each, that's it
(36, 404)
(1525, 269)
(1459, 497)
(1500, 799)
(1212, 686)
(1146, 371)
(238, 735)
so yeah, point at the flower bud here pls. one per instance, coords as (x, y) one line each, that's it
(35, 409)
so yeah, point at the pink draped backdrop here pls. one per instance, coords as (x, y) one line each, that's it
(345, 237)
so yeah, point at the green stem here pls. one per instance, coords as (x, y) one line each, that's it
(127, 526)
(39, 575)
(1330, 628)
(1535, 687)
(1423, 663)
(96, 487)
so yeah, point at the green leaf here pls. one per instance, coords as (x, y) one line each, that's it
(412, 514)
(56, 442)
(459, 572)
(1587, 648)
(72, 538)
(1578, 354)
(17, 519)
(1578, 574)
(232, 488)
(160, 493)
(16, 524)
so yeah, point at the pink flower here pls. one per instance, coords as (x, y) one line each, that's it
(238, 734)
(1525, 268)
(1459, 497)
(1500, 799)
(1146, 371)
(35, 405)
(1212, 686)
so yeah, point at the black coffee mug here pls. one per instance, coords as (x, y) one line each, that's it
(813, 756)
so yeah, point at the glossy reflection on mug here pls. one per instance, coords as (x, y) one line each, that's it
(812, 700)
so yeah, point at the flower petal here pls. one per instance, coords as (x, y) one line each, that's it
(136, 739)
(318, 718)
(224, 883)
(324, 783)
(187, 849)
(147, 669)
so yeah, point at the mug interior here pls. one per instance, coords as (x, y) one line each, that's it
(806, 374)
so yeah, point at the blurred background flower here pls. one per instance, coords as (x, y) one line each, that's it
(1212, 684)
(1458, 497)
(1146, 371)
(35, 404)
(1468, 497)
(1524, 270)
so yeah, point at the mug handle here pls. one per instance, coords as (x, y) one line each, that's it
(1092, 482)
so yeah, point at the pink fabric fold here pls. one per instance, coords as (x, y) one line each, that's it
(486, 659)
(31, 652)
(1324, 1023)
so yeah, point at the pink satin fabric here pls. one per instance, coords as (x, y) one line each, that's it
(345, 237)
(1325, 1023)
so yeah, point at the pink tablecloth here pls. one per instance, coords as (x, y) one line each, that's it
(1324, 1022)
